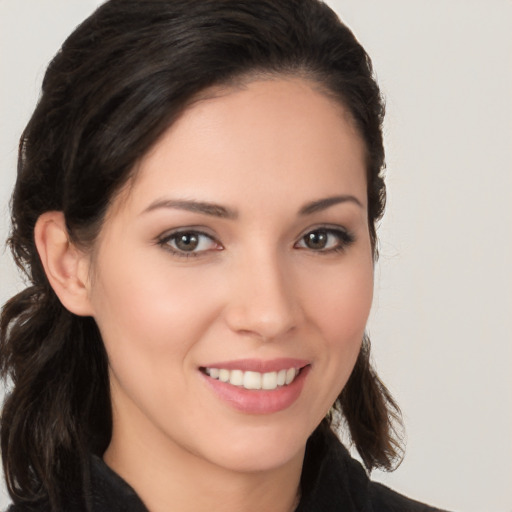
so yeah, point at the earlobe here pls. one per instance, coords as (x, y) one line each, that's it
(66, 266)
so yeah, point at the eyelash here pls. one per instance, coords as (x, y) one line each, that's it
(168, 238)
(344, 237)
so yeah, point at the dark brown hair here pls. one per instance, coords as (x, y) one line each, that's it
(117, 83)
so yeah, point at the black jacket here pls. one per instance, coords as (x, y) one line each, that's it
(331, 482)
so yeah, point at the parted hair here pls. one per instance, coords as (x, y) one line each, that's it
(118, 82)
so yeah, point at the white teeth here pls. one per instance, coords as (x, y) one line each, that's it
(254, 380)
(269, 380)
(236, 378)
(290, 375)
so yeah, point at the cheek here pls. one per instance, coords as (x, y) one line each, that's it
(341, 304)
(338, 305)
(146, 308)
(151, 322)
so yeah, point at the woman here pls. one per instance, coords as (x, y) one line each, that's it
(195, 208)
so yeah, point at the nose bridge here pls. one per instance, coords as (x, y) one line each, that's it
(262, 301)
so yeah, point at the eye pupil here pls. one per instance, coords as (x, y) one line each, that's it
(187, 241)
(316, 240)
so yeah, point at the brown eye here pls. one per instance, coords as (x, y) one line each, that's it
(316, 240)
(189, 243)
(326, 240)
(186, 241)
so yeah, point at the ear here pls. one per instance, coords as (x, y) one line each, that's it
(66, 267)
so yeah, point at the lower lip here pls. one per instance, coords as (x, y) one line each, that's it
(259, 401)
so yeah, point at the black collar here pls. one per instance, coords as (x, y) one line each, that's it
(331, 482)
(328, 470)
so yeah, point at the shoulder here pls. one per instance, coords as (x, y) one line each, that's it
(28, 508)
(105, 492)
(332, 481)
(384, 499)
(110, 493)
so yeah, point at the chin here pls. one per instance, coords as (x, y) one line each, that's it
(266, 450)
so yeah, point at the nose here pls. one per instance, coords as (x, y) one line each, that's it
(263, 302)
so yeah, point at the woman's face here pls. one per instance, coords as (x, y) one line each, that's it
(238, 259)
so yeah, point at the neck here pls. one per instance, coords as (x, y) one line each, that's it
(175, 478)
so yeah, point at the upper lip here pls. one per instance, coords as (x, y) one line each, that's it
(259, 365)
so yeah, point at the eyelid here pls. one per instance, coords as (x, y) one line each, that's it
(344, 235)
(164, 239)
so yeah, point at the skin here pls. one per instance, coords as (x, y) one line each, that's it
(254, 289)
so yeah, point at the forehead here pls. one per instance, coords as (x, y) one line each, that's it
(274, 138)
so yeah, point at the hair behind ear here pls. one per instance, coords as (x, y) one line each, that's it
(372, 415)
(57, 409)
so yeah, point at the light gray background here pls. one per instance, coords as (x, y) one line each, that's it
(441, 323)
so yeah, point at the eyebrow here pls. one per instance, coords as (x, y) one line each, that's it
(216, 210)
(323, 204)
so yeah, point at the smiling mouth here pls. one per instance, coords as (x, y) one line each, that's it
(254, 380)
